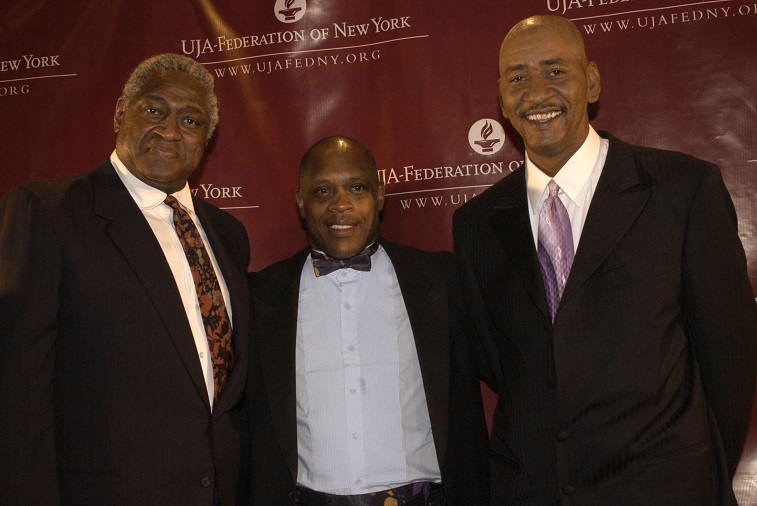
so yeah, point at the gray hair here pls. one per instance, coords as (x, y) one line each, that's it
(171, 61)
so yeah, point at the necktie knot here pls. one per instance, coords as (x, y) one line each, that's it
(323, 264)
(553, 188)
(172, 202)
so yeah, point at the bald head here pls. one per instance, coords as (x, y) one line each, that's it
(557, 24)
(336, 146)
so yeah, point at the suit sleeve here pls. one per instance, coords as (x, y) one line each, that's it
(719, 311)
(29, 280)
(487, 356)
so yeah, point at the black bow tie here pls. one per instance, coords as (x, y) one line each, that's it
(324, 265)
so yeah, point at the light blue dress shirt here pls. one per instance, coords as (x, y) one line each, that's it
(362, 417)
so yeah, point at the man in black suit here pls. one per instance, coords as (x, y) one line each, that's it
(121, 365)
(357, 391)
(610, 292)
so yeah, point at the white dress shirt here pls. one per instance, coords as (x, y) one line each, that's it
(160, 218)
(577, 180)
(362, 417)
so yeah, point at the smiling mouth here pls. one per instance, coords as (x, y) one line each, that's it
(340, 227)
(543, 117)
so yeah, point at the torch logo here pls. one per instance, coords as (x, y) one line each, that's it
(289, 11)
(486, 136)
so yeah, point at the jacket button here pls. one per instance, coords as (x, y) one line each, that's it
(569, 489)
(562, 435)
(205, 482)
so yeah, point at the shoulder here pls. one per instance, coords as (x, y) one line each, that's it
(660, 164)
(508, 192)
(58, 198)
(277, 276)
(216, 215)
(420, 266)
(53, 192)
(408, 254)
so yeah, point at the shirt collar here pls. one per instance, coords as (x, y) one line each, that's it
(145, 196)
(571, 178)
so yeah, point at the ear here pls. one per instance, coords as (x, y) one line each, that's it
(593, 82)
(300, 202)
(380, 194)
(118, 116)
(501, 105)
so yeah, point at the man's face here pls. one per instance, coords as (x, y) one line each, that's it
(545, 86)
(340, 198)
(162, 134)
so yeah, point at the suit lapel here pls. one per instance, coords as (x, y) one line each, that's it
(618, 200)
(431, 334)
(512, 226)
(132, 235)
(277, 306)
(221, 242)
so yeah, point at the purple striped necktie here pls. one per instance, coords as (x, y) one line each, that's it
(555, 247)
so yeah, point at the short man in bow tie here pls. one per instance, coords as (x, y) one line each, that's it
(353, 355)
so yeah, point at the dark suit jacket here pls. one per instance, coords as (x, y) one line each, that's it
(102, 395)
(640, 392)
(451, 386)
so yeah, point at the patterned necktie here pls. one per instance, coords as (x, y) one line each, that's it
(214, 316)
(324, 265)
(555, 247)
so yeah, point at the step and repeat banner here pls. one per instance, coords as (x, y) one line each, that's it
(414, 80)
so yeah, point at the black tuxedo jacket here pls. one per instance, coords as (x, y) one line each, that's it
(102, 395)
(452, 389)
(640, 392)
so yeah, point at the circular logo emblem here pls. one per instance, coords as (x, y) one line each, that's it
(289, 11)
(486, 136)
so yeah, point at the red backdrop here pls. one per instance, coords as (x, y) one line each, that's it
(416, 81)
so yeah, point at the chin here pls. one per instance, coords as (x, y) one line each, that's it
(343, 252)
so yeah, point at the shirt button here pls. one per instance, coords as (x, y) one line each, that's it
(347, 306)
(344, 274)
(351, 348)
(358, 482)
(352, 391)
(562, 435)
(569, 490)
(205, 482)
(354, 435)
(202, 354)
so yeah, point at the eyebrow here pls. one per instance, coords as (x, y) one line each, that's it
(158, 98)
(544, 63)
(351, 180)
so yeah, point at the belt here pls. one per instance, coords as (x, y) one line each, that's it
(415, 494)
